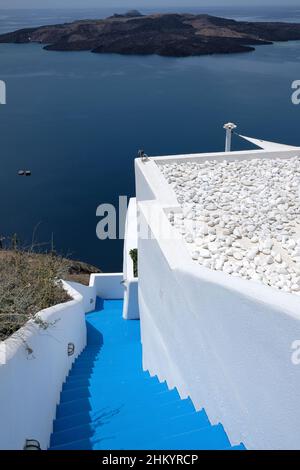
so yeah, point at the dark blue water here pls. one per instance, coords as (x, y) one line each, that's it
(77, 120)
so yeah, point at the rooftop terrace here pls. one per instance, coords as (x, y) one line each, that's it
(240, 217)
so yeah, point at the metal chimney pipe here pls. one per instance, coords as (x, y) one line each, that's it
(229, 127)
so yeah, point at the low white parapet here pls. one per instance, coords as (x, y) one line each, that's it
(88, 295)
(108, 286)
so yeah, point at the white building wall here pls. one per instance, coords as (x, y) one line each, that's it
(30, 384)
(131, 307)
(223, 341)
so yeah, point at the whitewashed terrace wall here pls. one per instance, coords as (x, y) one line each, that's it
(108, 285)
(88, 295)
(223, 341)
(30, 384)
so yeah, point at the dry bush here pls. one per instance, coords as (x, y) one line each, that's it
(29, 282)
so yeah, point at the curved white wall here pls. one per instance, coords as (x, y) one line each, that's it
(30, 384)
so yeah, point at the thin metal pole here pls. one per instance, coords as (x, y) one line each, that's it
(229, 127)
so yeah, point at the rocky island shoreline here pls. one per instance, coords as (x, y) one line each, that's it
(173, 35)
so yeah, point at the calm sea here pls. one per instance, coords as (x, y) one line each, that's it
(76, 120)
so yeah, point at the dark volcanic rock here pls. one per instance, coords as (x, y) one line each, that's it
(177, 35)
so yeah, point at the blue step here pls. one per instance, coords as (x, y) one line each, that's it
(71, 421)
(83, 444)
(183, 408)
(114, 376)
(71, 395)
(104, 352)
(101, 403)
(212, 438)
(158, 426)
(110, 367)
(83, 390)
(85, 380)
(69, 408)
(109, 402)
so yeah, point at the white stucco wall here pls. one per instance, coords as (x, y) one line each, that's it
(108, 286)
(223, 341)
(131, 308)
(88, 295)
(30, 384)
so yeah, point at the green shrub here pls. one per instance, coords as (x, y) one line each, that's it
(134, 256)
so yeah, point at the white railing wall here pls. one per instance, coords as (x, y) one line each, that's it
(31, 379)
(108, 286)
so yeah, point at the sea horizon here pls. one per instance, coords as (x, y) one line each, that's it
(27, 17)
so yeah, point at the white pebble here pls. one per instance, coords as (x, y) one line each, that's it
(237, 255)
(204, 253)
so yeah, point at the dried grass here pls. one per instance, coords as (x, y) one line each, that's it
(29, 282)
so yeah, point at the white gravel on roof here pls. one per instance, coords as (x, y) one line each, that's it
(241, 217)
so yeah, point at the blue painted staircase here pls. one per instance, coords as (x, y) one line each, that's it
(108, 402)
